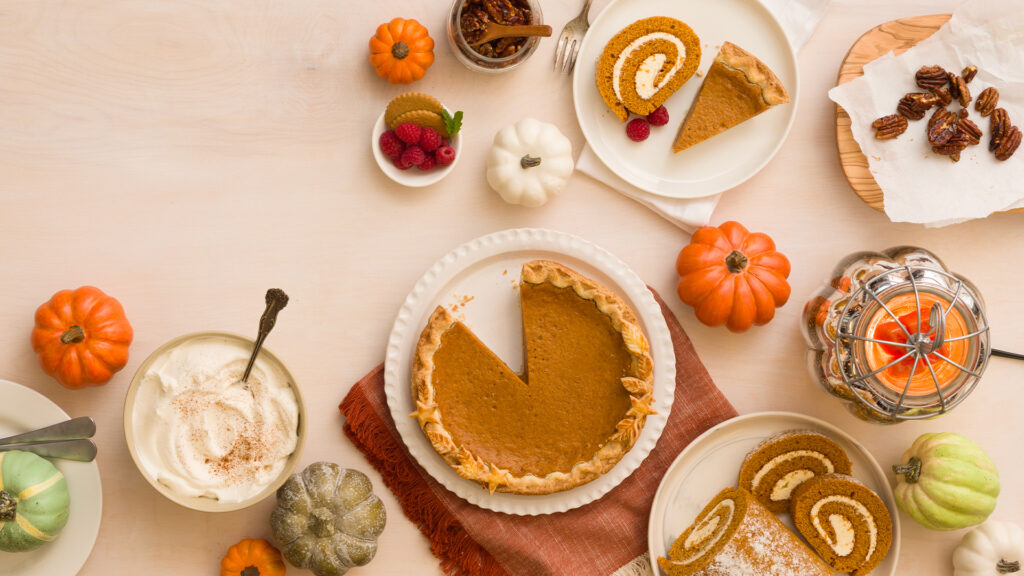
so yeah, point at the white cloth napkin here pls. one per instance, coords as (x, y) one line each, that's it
(798, 18)
(920, 186)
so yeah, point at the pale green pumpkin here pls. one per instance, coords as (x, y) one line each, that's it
(34, 501)
(946, 482)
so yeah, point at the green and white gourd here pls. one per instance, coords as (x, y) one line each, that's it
(34, 501)
(946, 482)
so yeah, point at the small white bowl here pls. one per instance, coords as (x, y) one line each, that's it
(413, 177)
(195, 502)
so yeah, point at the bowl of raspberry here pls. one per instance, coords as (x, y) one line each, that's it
(413, 155)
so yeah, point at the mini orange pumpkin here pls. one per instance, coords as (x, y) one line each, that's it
(252, 557)
(81, 337)
(732, 276)
(401, 51)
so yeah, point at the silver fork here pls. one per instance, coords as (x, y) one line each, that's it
(570, 40)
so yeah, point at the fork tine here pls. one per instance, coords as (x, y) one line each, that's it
(572, 58)
(559, 52)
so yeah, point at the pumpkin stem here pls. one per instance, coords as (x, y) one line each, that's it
(73, 335)
(322, 523)
(1006, 567)
(529, 161)
(399, 50)
(8, 507)
(911, 470)
(250, 571)
(736, 261)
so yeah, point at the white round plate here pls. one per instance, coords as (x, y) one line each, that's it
(413, 177)
(711, 463)
(480, 280)
(22, 410)
(720, 163)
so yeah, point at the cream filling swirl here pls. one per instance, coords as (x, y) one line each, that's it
(708, 531)
(784, 487)
(843, 528)
(651, 66)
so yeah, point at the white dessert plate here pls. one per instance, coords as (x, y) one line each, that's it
(719, 163)
(479, 281)
(712, 462)
(413, 177)
(22, 410)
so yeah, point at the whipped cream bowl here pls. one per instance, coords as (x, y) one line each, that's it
(203, 438)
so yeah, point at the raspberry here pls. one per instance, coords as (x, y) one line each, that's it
(430, 139)
(445, 155)
(638, 129)
(428, 162)
(659, 117)
(413, 155)
(401, 164)
(391, 145)
(408, 132)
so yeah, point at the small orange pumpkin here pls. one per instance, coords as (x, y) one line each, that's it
(401, 51)
(81, 337)
(252, 557)
(732, 276)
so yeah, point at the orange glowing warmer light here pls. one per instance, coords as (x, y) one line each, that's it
(884, 327)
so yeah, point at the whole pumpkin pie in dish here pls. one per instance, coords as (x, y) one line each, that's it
(736, 88)
(575, 412)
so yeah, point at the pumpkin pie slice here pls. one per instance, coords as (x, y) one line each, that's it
(577, 409)
(736, 88)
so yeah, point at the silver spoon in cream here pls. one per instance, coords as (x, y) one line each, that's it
(276, 300)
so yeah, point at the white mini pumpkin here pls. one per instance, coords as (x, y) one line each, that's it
(992, 549)
(529, 162)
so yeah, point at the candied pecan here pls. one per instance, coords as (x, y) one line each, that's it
(999, 124)
(889, 126)
(958, 89)
(915, 104)
(969, 73)
(941, 126)
(943, 95)
(931, 77)
(1009, 143)
(954, 89)
(969, 129)
(987, 101)
(953, 146)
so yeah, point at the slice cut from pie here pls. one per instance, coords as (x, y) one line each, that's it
(736, 88)
(578, 408)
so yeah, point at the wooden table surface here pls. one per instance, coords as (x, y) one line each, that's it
(187, 155)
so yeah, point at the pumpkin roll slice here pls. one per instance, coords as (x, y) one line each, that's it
(844, 521)
(734, 534)
(784, 461)
(645, 63)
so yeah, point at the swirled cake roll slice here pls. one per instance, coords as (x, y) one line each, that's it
(782, 462)
(735, 535)
(645, 63)
(844, 521)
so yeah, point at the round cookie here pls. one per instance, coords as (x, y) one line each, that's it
(409, 102)
(425, 119)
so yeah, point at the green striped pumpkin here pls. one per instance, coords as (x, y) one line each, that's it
(34, 501)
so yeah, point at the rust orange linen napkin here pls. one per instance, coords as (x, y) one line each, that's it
(605, 537)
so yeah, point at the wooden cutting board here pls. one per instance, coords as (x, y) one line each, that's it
(897, 36)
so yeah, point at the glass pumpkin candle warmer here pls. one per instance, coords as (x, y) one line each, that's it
(896, 336)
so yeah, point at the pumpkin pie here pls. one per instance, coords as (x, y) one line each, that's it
(736, 88)
(580, 405)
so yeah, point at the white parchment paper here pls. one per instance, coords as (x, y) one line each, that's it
(921, 186)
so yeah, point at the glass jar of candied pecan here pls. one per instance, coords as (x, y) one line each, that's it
(467, 21)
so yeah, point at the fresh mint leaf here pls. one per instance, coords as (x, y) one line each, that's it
(452, 123)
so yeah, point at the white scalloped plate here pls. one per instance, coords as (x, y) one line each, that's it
(479, 278)
(712, 462)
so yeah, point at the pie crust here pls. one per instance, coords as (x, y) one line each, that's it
(494, 376)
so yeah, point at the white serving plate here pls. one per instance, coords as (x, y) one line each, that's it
(487, 271)
(720, 163)
(23, 410)
(712, 462)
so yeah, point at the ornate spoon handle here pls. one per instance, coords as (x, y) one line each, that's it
(276, 300)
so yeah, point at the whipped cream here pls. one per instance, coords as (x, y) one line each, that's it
(648, 71)
(202, 432)
(707, 533)
(843, 528)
